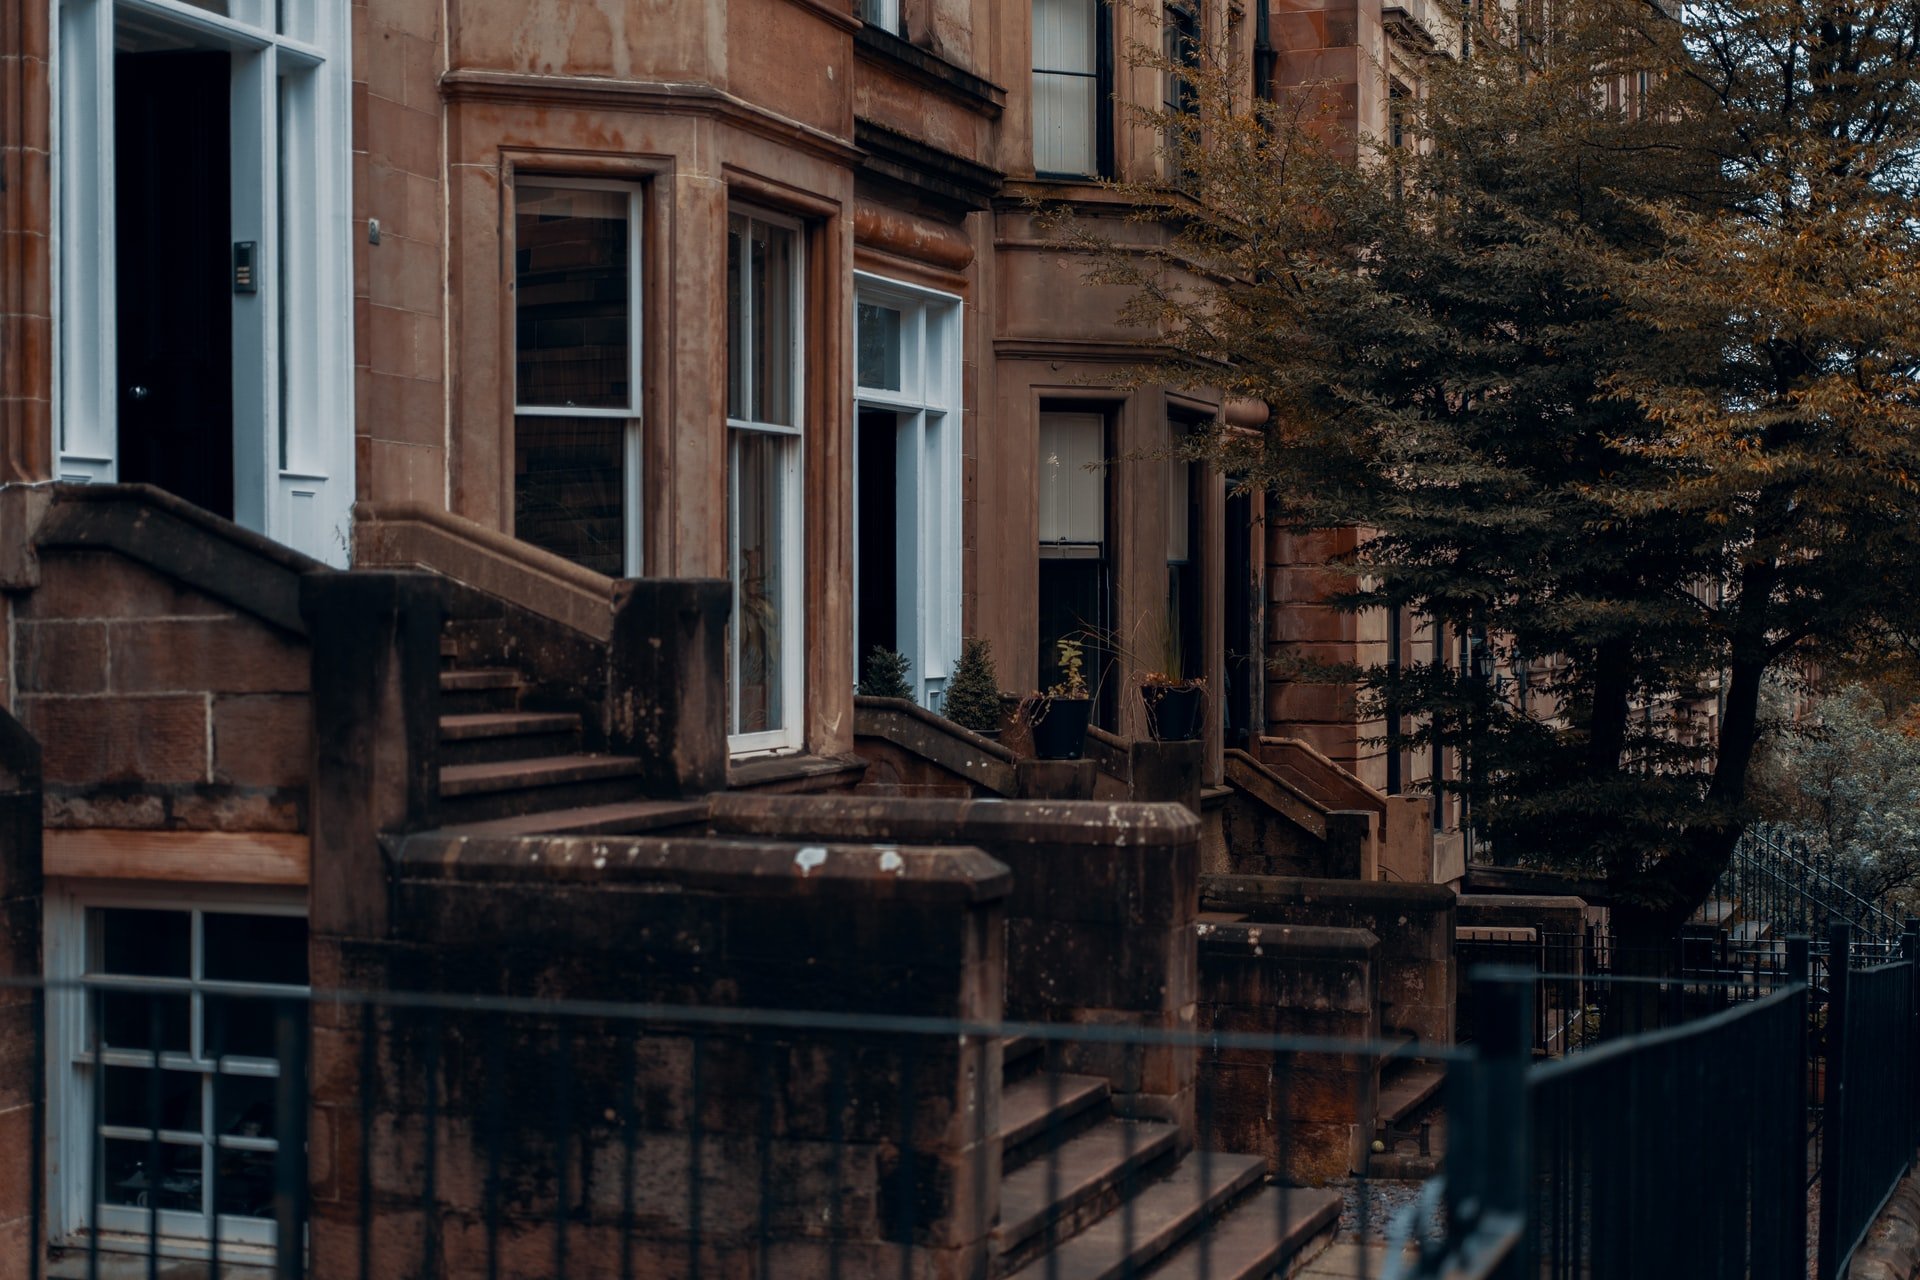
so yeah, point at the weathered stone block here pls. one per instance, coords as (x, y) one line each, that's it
(262, 740)
(94, 741)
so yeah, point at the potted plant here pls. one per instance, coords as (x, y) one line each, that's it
(886, 675)
(1176, 707)
(1060, 715)
(972, 699)
(1176, 704)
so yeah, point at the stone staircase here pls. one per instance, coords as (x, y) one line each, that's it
(507, 770)
(1087, 1195)
(1408, 1120)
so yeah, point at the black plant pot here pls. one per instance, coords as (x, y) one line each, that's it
(1175, 713)
(1060, 727)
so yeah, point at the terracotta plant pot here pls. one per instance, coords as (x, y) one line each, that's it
(1060, 727)
(1175, 713)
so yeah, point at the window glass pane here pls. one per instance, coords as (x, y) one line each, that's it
(758, 497)
(736, 317)
(239, 1026)
(254, 948)
(771, 297)
(126, 1104)
(155, 944)
(245, 1188)
(243, 1106)
(571, 298)
(126, 1019)
(1063, 35)
(879, 346)
(1072, 483)
(126, 1178)
(569, 492)
(1063, 123)
(1179, 509)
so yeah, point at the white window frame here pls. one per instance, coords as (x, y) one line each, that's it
(633, 452)
(884, 14)
(1051, 135)
(928, 478)
(790, 735)
(69, 1058)
(293, 469)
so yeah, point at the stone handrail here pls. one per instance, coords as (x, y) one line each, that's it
(416, 535)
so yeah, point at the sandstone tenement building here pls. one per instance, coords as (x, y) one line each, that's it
(432, 425)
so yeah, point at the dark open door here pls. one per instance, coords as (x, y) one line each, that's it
(174, 264)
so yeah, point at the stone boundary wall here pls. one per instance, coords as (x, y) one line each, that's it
(1099, 917)
(778, 1122)
(1309, 1115)
(1414, 923)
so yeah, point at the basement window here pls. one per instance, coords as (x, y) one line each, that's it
(171, 1051)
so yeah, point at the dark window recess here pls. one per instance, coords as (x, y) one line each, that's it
(1075, 600)
(877, 615)
(567, 489)
(173, 260)
(1236, 695)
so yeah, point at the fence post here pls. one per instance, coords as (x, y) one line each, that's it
(1800, 973)
(1833, 1155)
(1910, 948)
(1490, 1164)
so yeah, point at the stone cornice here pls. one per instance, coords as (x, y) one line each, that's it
(929, 70)
(950, 182)
(655, 97)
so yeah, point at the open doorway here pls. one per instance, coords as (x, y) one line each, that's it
(173, 278)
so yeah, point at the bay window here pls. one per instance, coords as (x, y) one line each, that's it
(764, 421)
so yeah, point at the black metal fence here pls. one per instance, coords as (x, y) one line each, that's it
(397, 1136)
(1779, 881)
(1662, 1153)
(1872, 1075)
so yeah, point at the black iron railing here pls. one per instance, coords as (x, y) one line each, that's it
(1781, 884)
(411, 1135)
(1666, 1153)
(1870, 1083)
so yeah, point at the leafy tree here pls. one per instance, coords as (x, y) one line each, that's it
(1846, 780)
(1615, 363)
(972, 698)
(886, 675)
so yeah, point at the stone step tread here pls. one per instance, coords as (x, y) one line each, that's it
(479, 678)
(1085, 1167)
(629, 817)
(1030, 1107)
(1019, 1047)
(1256, 1237)
(502, 724)
(1409, 1091)
(540, 771)
(1159, 1216)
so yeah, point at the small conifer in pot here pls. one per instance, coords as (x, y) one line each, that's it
(973, 694)
(886, 675)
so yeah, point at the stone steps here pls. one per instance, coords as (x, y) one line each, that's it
(465, 692)
(508, 788)
(481, 737)
(1261, 1233)
(623, 818)
(1077, 1184)
(1149, 1224)
(1040, 1112)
